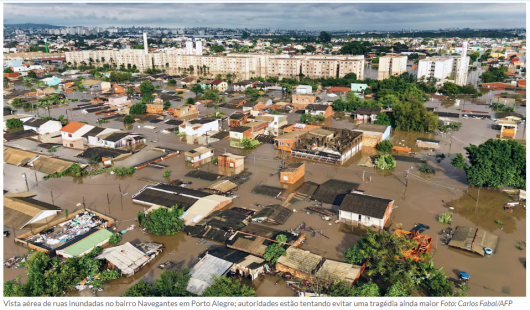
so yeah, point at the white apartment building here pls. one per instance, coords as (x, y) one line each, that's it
(253, 64)
(440, 68)
(391, 65)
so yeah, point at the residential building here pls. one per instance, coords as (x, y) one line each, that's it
(301, 101)
(128, 259)
(391, 65)
(365, 211)
(374, 133)
(230, 160)
(119, 139)
(304, 89)
(439, 68)
(72, 134)
(367, 114)
(42, 126)
(319, 109)
(274, 124)
(199, 127)
(186, 110)
(292, 173)
(238, 119)
(22, 209)
(204, 273)
(199, 156)
(92, 137)
(219, 85)
(243, 264)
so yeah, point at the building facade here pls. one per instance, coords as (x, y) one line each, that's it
(391, 65)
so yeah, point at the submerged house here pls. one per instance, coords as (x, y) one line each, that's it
(244, 264)
(328, 144)
(276, 214)
(198, 156)
(473, 240)
(374, 133)
(292, 173)
(129, 259)
(366, 211)
(21, 209)
(121, 139)
(299, 263)
(203, 274)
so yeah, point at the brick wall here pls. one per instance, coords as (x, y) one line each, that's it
(371, 141)
(294, 176)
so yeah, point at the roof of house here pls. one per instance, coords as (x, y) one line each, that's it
(508, 114)
(371, 127)
(233, 156)
(300, 260)
(240, 129)
(203, 175)
(473, 239)
(367, 111)
(117, 136)
(267, 190)
(267, 232)
(126, 257)
(231, 219)
(338, 271)
(20, 135)
(93, 132)
(321, 132)
(35, 122)
(317, 107)
(162, 198)
(447, 114)
(204, 272)
(275, 213)
(51, 165)
(240, 258)
(333, 191)
(365, 205)
(238, 116)
(87, 243)
(176, 122)
(198, 151)
(101, 152)
(292, 167)
(265, 118)
(18, 157)
(201, 121)
(21, 208)
(72, 127)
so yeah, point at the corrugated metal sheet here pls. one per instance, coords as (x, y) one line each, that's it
(204, 272)
(88, 243)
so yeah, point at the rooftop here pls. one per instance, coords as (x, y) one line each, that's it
(365, 205)
(72, 127)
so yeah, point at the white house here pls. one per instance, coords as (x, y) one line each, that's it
(23, 70)
(365, 211)
(277, 122)
(200, 126)
(120, 139)
(72, 134)
(93, 138)
(199, 156)
(121, 100)
(42, 126)
(304, 89)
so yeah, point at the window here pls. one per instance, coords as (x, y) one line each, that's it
(280, 143)
(288, 144)
(69, 135)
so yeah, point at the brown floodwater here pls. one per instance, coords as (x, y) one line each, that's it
(425, 196)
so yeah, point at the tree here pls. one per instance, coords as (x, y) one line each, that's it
(32, 74)
(310, 49)
(450, 89)
(6, 82)
(211, 94)
(138, 108)
(167, 173)
(163, 221)
(197, 89)
(217, 49)
(324, 36)
(115, 238)
(128, 119)
(306, 118)
(273, 252)
(140, 289)
(413, 116)
(147, 89)
(227, 287)
(172, 82)
(190, 101)
(8, 70)
(383, 119)
(494, 75)
(249, 143)
(495, 163)
(172, 283)
(17, 102)
(384, 161)
(14, 123)
(398, 289)
(385, 146)
(252, 92)
(129, 91)
(167, 105)
(366, 290)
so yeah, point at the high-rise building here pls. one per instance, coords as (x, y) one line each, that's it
(462, 66)
(146, 45)
(189, 47)
(198, 48)
(439, 68)
(391, 65)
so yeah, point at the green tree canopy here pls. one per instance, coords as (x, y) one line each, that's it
(228, 287)
(211, 94)
(494, 75)
(167, 105)
(172, 82)
(14, 123)
(383, 119)
(128, 119)
(138, 108)
(140, 289)
(385, 146)
(172, 283)
(32, 74)
(494, 163)
(384, 161)
(197, 89)
(190, 101)
(8, 70)
(273, 252)
(163, 221)
(324, 36)
(147, 88)
(413, 116)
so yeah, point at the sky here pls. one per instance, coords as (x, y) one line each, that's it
(310, 16)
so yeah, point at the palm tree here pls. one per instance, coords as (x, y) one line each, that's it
(90, 61)
(103, 59)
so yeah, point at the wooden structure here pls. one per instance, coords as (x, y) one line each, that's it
(473, 240)
(424, 244)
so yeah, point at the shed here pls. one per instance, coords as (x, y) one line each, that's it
(204, 273)
(428, 144)
(366, 210)
(244, 264)
(473, 239)
(333, 191)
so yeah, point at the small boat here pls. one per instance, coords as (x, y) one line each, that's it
(123, 231)
(488, 251)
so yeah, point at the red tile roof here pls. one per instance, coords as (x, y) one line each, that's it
(342, 89)
(72, 127)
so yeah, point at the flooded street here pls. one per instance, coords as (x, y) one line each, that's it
(420, 202)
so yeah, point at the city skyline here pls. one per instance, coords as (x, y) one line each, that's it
(355, 17)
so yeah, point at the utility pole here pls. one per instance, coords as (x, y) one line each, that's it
(108, 202)
(121, 197)
(53, 202)
(476, 206)
(26, 179)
